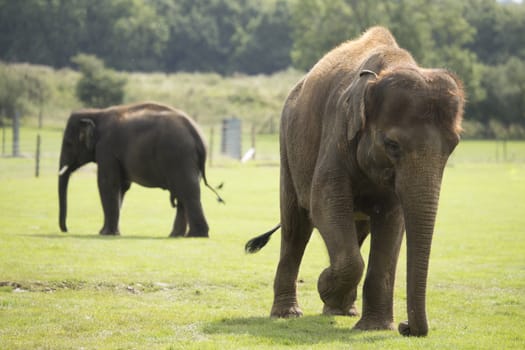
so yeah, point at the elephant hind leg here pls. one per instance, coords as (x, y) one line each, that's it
(296, 229)
(126, 184)
(173, 200)
(180, 223)
(189, 208)
(362, 229)
(195, 216)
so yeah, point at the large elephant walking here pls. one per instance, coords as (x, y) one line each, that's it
(148, 143)
(365, 137)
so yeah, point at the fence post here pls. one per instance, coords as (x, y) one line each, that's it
(505, 149)
(16, 134)
(253, 140)
(3, 139)
(37, 157)
(210, 148)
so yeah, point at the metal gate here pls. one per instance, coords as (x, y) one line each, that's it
(231, 138)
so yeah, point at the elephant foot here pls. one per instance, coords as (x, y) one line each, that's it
(198, 234)
(368, 324)
(286, 312)
(177, 234)
(352, 311)
(338, 294)
(107, 232)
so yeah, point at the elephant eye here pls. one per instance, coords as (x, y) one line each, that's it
(392, 148)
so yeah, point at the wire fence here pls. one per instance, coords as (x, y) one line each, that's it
(36, 151)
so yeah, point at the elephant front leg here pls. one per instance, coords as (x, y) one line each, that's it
(337, 284)
(378, 288)
(180, 224)
(362, 230)
(332, 214)
(110, 187)
(348, 307)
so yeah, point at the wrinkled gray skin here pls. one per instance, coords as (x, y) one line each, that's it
(365, 137)
(149, 144)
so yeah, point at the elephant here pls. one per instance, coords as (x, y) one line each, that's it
(148, 143)
(364, 139)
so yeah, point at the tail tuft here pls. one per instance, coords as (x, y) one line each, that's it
(257, 243)
(219, 198)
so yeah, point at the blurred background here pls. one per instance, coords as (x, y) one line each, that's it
(237, 59)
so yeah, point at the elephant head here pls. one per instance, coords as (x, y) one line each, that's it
(78, 148)
(405, 122)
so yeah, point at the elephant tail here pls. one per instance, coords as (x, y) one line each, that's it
(219, 198)
(202, 166)
(257, 243)
(201, 155)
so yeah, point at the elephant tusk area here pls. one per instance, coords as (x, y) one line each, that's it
(63, 170)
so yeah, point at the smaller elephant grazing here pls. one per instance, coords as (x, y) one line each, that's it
(147, 143)
(364, 139)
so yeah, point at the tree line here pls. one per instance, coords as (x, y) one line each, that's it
(480, 40)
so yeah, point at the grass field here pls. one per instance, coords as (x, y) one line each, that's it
(142, 290)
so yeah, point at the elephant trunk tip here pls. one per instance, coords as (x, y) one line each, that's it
(63, 227)
(405, 330)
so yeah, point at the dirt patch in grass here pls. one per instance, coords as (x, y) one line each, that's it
(52, 286)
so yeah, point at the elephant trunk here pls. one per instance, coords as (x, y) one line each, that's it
(419, 196)
(63, 180)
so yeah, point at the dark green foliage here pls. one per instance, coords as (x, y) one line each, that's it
(318, 26)
(505, 102)
(98, 86)
(480, 40)
(226, 36)
(264, 45)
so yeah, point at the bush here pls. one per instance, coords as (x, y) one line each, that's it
(516, 132)
(98, 87)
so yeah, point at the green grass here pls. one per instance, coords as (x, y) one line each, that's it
(143, 290)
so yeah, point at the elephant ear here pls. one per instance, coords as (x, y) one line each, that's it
(353, 104)
(87, 133)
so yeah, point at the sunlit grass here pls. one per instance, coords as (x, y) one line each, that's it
(144, 290)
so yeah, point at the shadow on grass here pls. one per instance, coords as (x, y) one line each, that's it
(304, 330)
